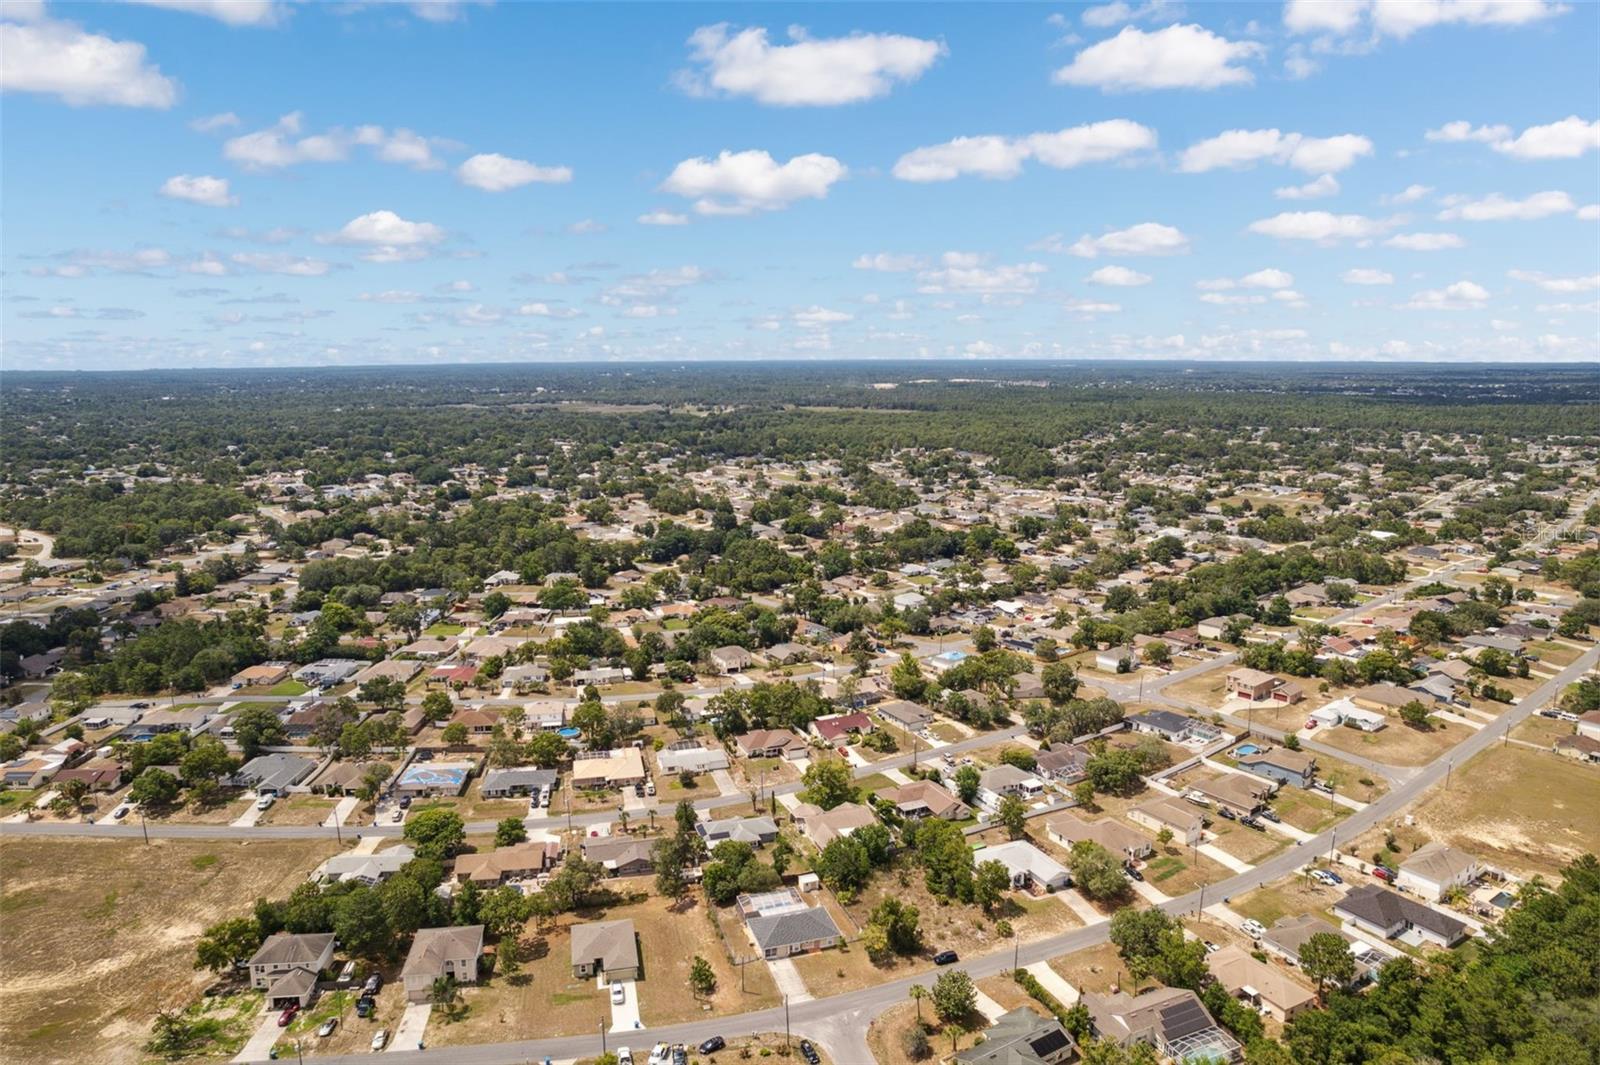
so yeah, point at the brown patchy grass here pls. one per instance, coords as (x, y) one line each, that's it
(1529, 811)
(1289, 897)
(1399, 744)
(98, 935)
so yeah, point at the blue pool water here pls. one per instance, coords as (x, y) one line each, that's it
(569, 733)
(1248, 748)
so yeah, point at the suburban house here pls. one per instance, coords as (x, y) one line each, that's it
(434, 778)
(771, 743)
(1437, 869)
(264, 675)
(784, 654)
(1171, 1019)
(756, 831)
(477, 722)
(998, 782)
(1381, 912)
(1183, 820)
(731, 659)
(688, 756)
(273, 774)
(451, 953)
(1264, 985)
(1030, 867)
(517, 780)
(906, 715)
(1288, 934)
(834, 728)
(1255, 685)
(593, 770)
(1116, 659)
(1022, 1037)
(606, 949)
(1238, 793)
(368, 869)
(1589, 724)
(782, 925)
(1063, 764)
(621, 855)
(1172, 727)
(922, 798)
(1215, 628)
(287, 965)
(1281, 764)
(1114, 836)
(824, 826)
(523, 861)
(1381, 698)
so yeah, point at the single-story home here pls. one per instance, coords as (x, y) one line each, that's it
(1281, 764)
(1114, 836)
(1064, 763)
(273, 774)
(621, 855)
(907, 715)
(517, 780)
(922, 798)
(434, 778)
(1288, 934)
(782, 925)
(835, 727)
(824, 826)
(623, 767)
(1262, 984)
(1022, 1037)
(1183, 820)
(998, 782)
(1388, 914)
(688, 756)
(1030, 867)
(522, 861)
(264, 675)
(607, 949)
(1170, 726)
(1116, 659)
(756, 831)
(1240, 793)
(369, 869)
(1171, 1019)
(771, 743)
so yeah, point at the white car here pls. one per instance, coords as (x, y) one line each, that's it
(619, 994)
(1253, 928)
(380, 1039)
(1322, 876)
(624, 1056)
(264, 802)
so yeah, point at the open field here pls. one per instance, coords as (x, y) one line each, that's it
(99, 934)
(1398, 744)
(1289, 897)
(1529, 811)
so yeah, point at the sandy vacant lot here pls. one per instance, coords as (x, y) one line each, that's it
(97, 935)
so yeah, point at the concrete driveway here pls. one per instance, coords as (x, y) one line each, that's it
(789, 980)
(413, 1022)
(259, 1047)
(624, 1016)
(251, 814)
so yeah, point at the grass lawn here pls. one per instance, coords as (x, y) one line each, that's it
(1289, 897)
(1175, 871)
(1247, 844)
(671, 939)
(299, 810)
(1350, 780)
(14, 799)
(1095, 969)
(287, 687)
(1306, 811)
(1541, 731)
(444, 628)
(99, 934)
(1529, 811)
(1555, 654)
(1398, 744)
(1209, 689)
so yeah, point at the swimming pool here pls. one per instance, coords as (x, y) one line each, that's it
(1248, 748)
(569, 733)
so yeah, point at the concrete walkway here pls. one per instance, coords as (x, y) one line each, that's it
(1283, 828)
(1054, 983)
(1146, 890)
(991, 1010)
(789, 980)
(897, 775)
(1079, 905)
(724, 782)
(1222, 857)
(251, 814)
(408, 1034)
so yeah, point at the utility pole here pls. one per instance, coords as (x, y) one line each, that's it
(602, 1038)
(786, 1024)
(145, 826)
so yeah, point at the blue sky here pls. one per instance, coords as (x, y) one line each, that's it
(257, 182)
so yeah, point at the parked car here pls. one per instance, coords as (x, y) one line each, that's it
(365, 1005)
(380, 1039)
(1269, 814)
(809, 1052)
(624, 1056)
(946, 957)
(1322, 876)
(398, 816)
(660, 1054)
(405, 802)
(325, 1029)
(1383, 872)
(287, 1015)
(1322, 786)
(650, 787)
(712, 1045)
(1211, 948)
(373, 985)
(1227, 813)
(619, 994)
(1311, 724)
(1253, 928)
(1132, 871)
(680, 1054)
(119, 813)
(1250, 822)
(347, 974)
(264, 802)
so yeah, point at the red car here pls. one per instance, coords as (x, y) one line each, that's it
(1382, 872)
(287, 1015)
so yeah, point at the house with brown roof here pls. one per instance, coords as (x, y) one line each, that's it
(524, 861)
(824, 826)
(607, 949)
(1183, 820)
(1239, 793)
(1263, 985)
(1114, 836)
(922, 798)
(287, 965)
(771, 743)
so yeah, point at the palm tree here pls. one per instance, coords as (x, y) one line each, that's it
(918, 993)
(956, 1032)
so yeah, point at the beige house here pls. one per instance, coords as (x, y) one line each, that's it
(1436, 869)
(1262, 984)
(1185, 822)
(607, 949)
(441, 952)
(623, 767)
(287, 966)
(1114, 836)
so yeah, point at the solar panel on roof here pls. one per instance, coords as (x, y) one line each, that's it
(1184, 1017)
(1049, 1042)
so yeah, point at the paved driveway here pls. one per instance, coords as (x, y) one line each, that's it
(624, 1017)
(251, 814)
(413, 1022)
(259, 1047)
(789, 980)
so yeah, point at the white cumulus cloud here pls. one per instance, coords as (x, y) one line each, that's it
(1324, 186)
(62, 59)
(1320, 226)
(1425, 241)
(1240, 148)
(493, 172)
(1146, 238)
(663, 218)
(997, 156)
(1366, 275)
(1498, 208)
(206, 191)
(808, 71)
(1118, 276)
(1184, 56)
(233, 12)
(1461, 296)
(1402, 18)
(749, 181)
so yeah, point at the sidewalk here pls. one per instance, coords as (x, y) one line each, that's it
(1222, 857)
(1079, 905)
